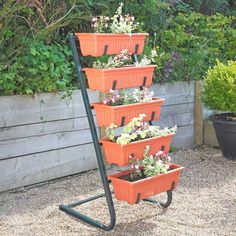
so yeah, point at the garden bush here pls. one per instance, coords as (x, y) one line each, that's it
(42, 68)
(187, 42)
(191, 44)
(220, 87)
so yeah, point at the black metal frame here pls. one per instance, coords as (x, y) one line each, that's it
(108, 194)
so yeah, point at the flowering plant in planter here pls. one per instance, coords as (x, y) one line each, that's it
(124, 58)
(146, 178)
(151, 165)
(123, 98)
(111, 34)
(134, 137)
(121, 70)
(136, 130)
(116, 24)
(120, 107)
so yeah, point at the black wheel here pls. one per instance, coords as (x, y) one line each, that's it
(169, 200)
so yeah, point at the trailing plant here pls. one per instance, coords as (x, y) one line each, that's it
(123, 98)
(219, 87)
(136, 130)
(151, 165)
(124, 58)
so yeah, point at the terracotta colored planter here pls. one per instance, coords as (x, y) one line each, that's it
(131, 192)
(119, 154)
(95, 44)
(121, 115)
(119, 78)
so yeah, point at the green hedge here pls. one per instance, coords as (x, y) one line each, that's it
(187, 41)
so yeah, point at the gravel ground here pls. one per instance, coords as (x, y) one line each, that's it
(203, 204)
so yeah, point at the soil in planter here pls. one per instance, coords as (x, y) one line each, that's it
(136, 177)
(226, 117)
(138, 138)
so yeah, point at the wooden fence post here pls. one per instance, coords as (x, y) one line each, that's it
(198, 117)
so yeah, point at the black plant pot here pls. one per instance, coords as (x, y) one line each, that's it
(226, 135)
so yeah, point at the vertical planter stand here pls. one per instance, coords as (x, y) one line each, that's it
(105, 180)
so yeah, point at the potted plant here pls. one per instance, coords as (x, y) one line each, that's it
(146, 178)
(118, 72)
(111, 35)
(219, 94)
(120, 108)
(135, 136)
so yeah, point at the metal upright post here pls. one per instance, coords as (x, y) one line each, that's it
(68, 208)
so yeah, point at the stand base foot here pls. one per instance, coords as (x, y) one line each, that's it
(68, 209)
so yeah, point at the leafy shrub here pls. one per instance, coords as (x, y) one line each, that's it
(220, 87)
(188, 44)
(191, 45)
(42, 68)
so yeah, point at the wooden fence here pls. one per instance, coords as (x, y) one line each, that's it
(45, 137)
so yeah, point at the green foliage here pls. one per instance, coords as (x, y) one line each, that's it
(124, 98)
(187, 42)
(136, 130)
(41, 69)
(211, 7)
(220, 87)
(191, 45)
(48, 20)
(151, 165)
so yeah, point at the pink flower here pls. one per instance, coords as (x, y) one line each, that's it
(95, 19)
(160, 154)
(95, 25)
(105, 101)
(107, 18)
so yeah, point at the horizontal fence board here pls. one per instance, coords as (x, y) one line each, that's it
(177, 93)
(25, 146)
(43, 128)
(177, 109)
(23, 109)
(184, 137)
(35, 168)
(176, 119)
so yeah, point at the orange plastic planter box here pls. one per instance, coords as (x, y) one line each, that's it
(121, 115)
(95, 44)
(119, 78)
(106, 114)
(131, 192)
(119, 154)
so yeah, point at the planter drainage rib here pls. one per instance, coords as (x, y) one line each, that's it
(105, 181)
